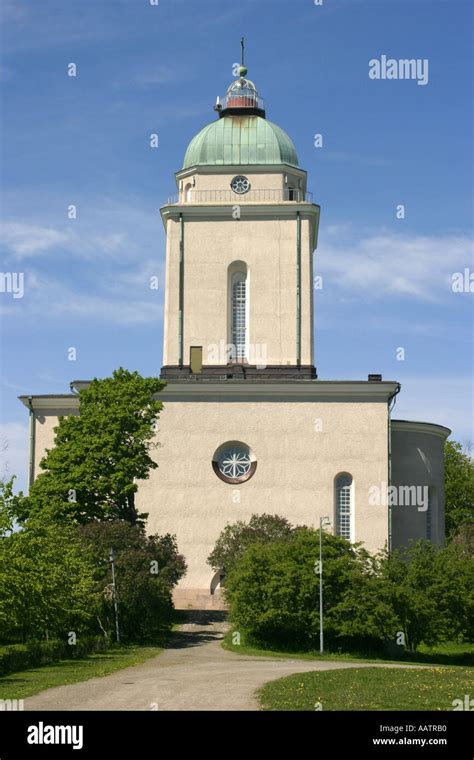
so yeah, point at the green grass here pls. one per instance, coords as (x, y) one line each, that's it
(447, 653)
(369, 689)
(28, 682)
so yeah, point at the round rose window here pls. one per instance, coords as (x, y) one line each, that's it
(234, 462)
(240, 185)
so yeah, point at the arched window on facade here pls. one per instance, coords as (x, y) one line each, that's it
(344, 506)
(238, 312)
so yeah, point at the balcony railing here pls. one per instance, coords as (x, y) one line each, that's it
(244, 99)
(294, 195)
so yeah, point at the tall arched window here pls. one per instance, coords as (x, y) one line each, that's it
(238, 311)
(239, 315)
(344, 488)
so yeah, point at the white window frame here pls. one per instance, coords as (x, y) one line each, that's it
(337, 489)
(238, 272)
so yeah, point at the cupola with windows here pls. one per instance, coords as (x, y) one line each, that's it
(241, 135)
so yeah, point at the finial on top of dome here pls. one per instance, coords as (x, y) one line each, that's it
(242, 67)
(241, 98)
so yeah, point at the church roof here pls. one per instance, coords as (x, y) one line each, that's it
(241, 135)
(240, 140)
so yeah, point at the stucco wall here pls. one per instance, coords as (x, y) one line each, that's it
(222, 181)
(418, 460)
(45, 423)
(297, 464)
(204, 180)
(268, 247)
(300, 447)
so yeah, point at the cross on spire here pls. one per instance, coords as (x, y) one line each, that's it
(242, 68)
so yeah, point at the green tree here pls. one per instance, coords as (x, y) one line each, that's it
(453, 590)
(465, 538)
(410, 578)
(147, 569)
(9, 505)
(431, 592)
(459, 488)
(99, 454)
(273, 593)
(237, 537)
(364, 616)
(46, 583)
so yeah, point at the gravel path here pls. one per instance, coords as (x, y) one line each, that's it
(193, 673)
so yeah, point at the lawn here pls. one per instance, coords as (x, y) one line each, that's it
(446, 653)
(25, 683)
(369, 689)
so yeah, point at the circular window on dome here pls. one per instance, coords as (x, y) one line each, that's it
(240, 185)
(234, 462)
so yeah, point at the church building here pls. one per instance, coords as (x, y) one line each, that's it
(247, 425)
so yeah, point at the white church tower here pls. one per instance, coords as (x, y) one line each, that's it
(240, 237)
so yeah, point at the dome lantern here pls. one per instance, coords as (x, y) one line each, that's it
(241, 98)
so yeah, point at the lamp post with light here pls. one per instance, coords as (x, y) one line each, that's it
(322, 521)
(114, 588)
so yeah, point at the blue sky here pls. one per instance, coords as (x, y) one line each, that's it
(145, 69)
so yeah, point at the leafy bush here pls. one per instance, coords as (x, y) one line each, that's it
(22, 656)
(431, 592)
(237, 537)
(46, 583)
(146, 569)
(459, 488)
(273, 593)
(56, 579)
(371, 603)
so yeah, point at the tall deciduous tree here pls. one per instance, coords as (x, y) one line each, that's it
(459, 488)
(46, 582)
(8, 506)
(99, 454)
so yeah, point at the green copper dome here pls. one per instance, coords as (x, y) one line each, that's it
(240, 141)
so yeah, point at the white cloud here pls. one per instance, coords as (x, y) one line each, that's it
(138, 277)
(25, 240)
(97, 267)
(121, 304)
(123, 311)
(115, 228)
(384, 263)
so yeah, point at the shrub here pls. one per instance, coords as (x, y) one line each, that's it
(273, 593)
(423, 592)
(35, 653)
(146, 568)
(431, 591)
(46, 583)
(237, 537)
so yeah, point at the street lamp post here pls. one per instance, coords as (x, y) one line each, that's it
(322, 521)
(112, 562)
